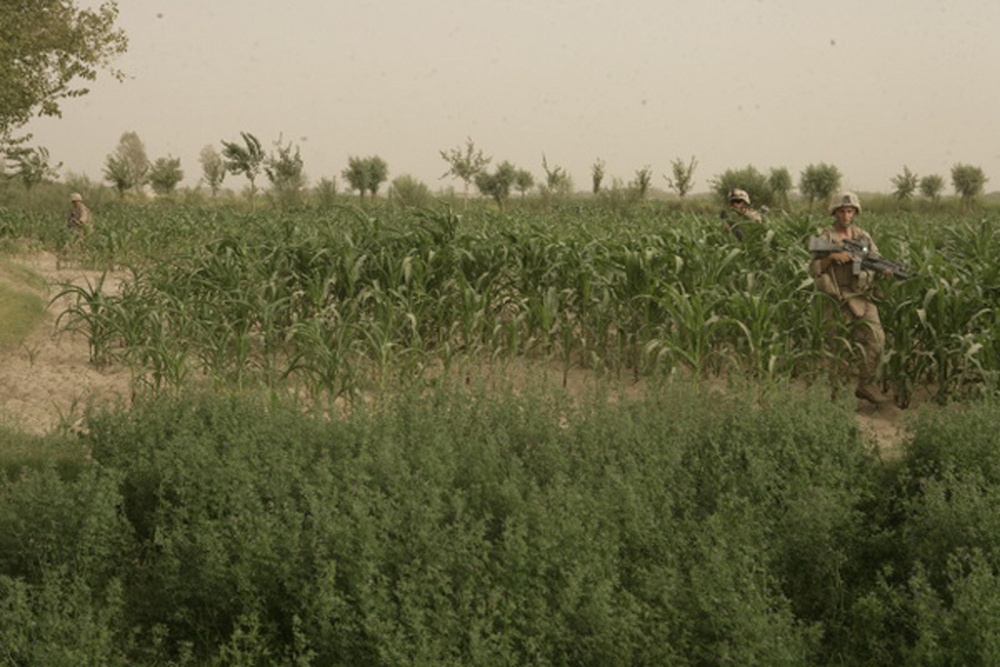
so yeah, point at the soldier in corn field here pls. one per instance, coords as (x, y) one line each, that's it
(79, 218)
(853, 295)
(739, 213)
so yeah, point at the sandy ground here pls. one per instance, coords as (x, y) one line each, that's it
(47, 382)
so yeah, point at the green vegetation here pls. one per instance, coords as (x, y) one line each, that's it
(497, 184)
(818, 182)
(330, 459)
(465, 163)
(683, 176)
(597, 175)
(366, 174)
(749, 179)
(48, 49)
(968, 181)
(213, 168)
(164, 175)
(246, 159)
(471, 527)
(345, 300)
(33, 168)
(20, 313)
(905, 184)
(128, 167)
(931, 186)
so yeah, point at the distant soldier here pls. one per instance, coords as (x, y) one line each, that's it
(853, 303)
(739, 213)
(79, 219)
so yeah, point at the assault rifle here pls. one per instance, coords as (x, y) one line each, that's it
(862, 256)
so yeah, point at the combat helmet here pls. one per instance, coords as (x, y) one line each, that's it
(739, 195)
(76, 196)
(843, 200)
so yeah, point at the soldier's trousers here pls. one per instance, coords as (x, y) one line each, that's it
(862, 318)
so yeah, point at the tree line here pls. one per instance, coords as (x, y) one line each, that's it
(128, 168)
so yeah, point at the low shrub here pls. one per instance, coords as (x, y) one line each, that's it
(465, 526)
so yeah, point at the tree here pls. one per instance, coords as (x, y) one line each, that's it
(931, 186)
(118, 173)
(905, 184)
(356, 175)
(285, 171)
(557, 180)
(818, 182)
(130, 155)
(597, 175)
(32, 168)
(165, 174)
(365, 174)
(325, 192)
(213, 169)
(246, 159)
(683, 178)
(497, 185)
(47, 49)
(465, 164)
(523, 181)
(749, 179)
(968, 182)
(378, 173)
(643, 178)
(408, 191)
(779, 182)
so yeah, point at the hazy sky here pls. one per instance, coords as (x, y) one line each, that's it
(869, 86)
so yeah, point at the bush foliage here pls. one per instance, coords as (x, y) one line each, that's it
(465, 527)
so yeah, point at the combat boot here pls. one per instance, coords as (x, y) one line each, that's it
(870, 392)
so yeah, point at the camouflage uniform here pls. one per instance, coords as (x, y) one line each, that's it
(853, 303)
(79, 217)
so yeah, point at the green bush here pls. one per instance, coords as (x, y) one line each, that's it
(65, 553)
(477, 530)
(463, 526)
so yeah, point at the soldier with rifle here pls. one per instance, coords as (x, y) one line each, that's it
(844, 266)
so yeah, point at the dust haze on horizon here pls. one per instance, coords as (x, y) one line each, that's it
(869, 87)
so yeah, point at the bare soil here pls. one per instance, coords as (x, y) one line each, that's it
(47, 381)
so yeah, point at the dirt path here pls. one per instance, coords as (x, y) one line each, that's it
(47, 382)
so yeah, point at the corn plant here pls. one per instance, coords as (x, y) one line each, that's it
(89, 313)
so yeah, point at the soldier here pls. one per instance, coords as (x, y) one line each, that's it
(853, 299)
(739, 213)
(79, 218)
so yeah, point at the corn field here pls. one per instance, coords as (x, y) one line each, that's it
(337, 302)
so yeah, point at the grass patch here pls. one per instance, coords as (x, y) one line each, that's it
(20, 310)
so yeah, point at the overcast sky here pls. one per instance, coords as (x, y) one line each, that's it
(869, 86)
